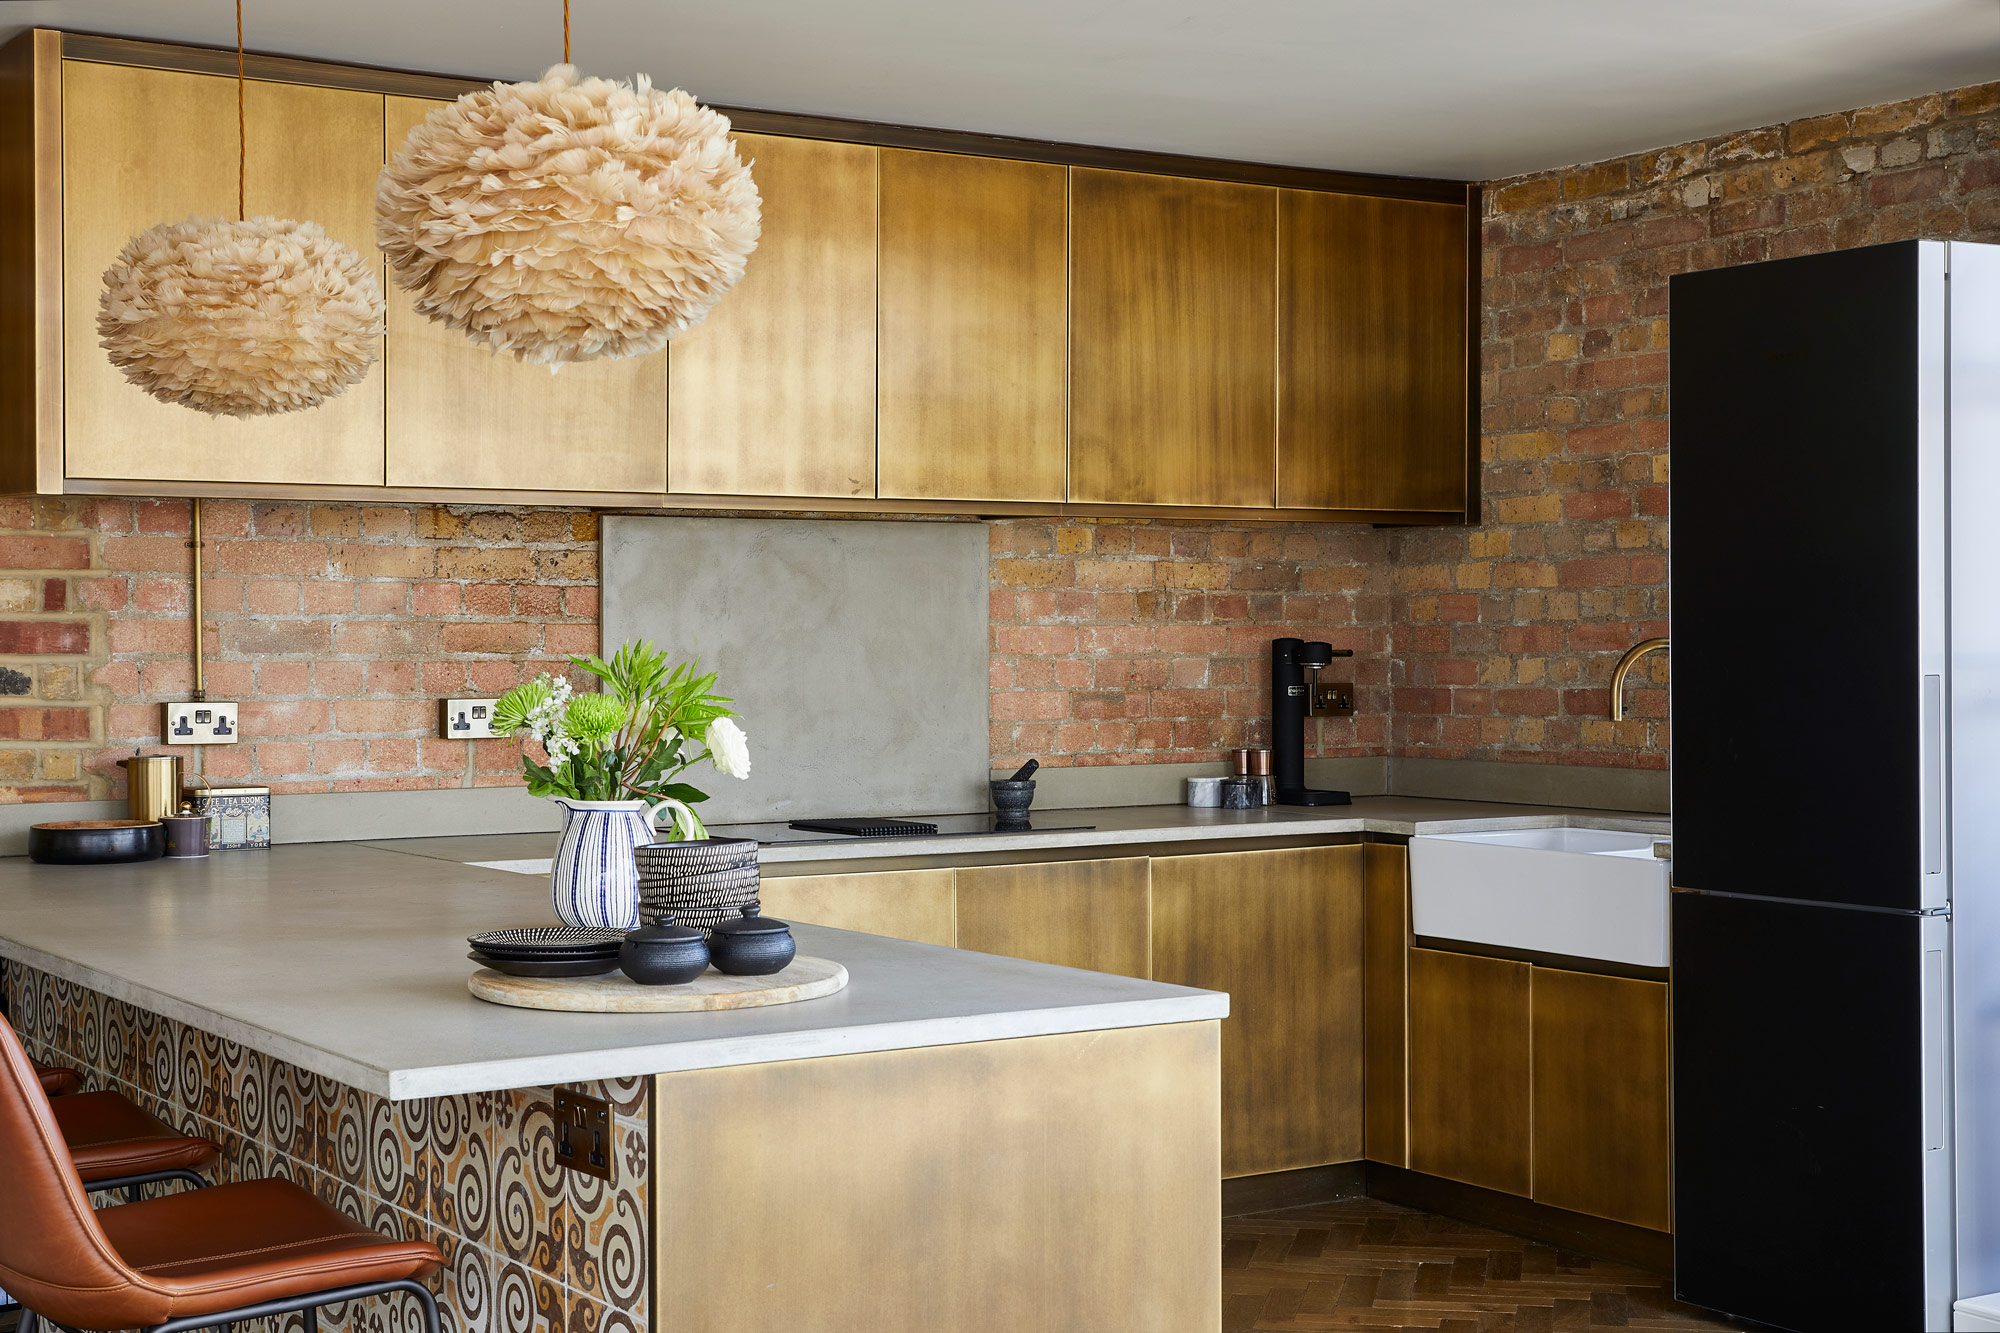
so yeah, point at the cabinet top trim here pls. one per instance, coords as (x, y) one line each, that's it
(107, 49)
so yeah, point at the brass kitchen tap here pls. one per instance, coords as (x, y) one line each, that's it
(1625, 665)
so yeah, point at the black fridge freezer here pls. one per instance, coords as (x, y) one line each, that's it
(1835, 602)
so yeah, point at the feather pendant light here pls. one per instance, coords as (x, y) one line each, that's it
(244, 318)
(569, 218)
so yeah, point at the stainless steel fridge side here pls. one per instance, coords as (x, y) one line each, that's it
(1933, 700)
(1974, 710)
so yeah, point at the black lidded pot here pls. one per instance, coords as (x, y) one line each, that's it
(752, 945)
(665, 953)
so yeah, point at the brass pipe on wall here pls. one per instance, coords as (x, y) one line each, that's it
(1624, 669)
(194, 542)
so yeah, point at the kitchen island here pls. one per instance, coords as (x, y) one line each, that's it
(929, 1148)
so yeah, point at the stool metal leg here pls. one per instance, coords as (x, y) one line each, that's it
(312, 1320)
(29, 1321)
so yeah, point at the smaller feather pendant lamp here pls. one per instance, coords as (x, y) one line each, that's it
(568, 218)
(246, 318)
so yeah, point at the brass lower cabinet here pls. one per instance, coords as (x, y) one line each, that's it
(1386, 1003)
(1089, 914)
(1601, 1119)
(902, 904)
(1470, 1080)
(1281, 932)
(1043, 1183)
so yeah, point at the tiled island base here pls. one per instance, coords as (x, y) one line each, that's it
(528, 1244)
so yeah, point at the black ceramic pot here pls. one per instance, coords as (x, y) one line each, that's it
(88, 842)
(752, 945)
(663, 954)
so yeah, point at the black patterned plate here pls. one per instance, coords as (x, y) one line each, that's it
(550, 943)
(567, 967)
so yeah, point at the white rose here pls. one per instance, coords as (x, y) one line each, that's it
(728, 749)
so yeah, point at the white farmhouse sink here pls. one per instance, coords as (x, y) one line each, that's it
(1586, 893)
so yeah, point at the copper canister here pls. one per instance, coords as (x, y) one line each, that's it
(152, 785)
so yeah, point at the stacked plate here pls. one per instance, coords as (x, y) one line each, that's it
(548, 951)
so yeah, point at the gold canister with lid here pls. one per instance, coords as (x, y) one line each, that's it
(152, 785)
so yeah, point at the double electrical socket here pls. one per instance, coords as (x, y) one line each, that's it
(204, 723)
(466, 719)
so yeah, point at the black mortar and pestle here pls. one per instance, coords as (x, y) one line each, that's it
(1012, 796)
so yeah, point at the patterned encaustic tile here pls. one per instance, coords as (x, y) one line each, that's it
(529, 1247)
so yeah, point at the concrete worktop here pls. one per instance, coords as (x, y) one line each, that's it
(1121, 827)
(350, 961)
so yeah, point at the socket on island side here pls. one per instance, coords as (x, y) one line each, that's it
(208, 722)
(466, 719)
(583, 1133)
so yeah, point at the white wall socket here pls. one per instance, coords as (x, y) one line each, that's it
(466, 719)
(204, 723)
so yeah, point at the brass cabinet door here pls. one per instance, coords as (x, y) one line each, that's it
(1371, 353)
(1281, 931)
(460, 416)
(1089, 914)
(902, 904)
(146, 146)
(1385, 978)
(775, 393)
(974, 347)
(1173, 346)
(1470, 1095)
(1602, 1140)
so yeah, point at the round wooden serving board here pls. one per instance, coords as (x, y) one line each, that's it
(806, 979)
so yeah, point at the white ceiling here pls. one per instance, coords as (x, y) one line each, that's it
(1473, 89)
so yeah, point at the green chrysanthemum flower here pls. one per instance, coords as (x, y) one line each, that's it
(510, 711)
(594, 718)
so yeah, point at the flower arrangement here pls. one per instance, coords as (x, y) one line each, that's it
(652, 722)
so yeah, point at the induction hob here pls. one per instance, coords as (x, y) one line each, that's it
(948, 826)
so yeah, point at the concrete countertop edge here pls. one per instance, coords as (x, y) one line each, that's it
(1302, 827)
(682, 1057)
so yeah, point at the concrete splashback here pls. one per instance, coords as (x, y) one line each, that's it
(856, 653)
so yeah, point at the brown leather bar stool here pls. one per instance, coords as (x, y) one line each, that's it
(57, 1081)
(188, 1261)
(115, 1145)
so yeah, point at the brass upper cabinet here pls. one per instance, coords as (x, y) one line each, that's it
(775, 394)
(461, 416)
(1281, 931)
(1371, 353)
(1173, 342)
(146, 146)
(974, 311)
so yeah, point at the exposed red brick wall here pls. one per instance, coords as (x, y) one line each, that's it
(337, 627)
(1506, 634)
(1140, 643)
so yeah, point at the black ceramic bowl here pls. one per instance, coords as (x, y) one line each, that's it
(752, 945)
(95, 842)
(663, 954)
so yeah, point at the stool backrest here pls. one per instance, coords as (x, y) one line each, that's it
(54, 1258)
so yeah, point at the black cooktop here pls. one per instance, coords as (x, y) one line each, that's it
(885, 829)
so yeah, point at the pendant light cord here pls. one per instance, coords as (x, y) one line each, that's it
(565, 28)
(241, 135)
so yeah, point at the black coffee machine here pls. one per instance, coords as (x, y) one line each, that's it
(1291, 701)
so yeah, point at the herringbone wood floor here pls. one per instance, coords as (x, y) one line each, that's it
(1366, 1265)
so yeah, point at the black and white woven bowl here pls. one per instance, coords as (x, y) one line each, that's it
(700, 882)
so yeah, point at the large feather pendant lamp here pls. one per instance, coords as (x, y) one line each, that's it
(244, 318)
(569, 218)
